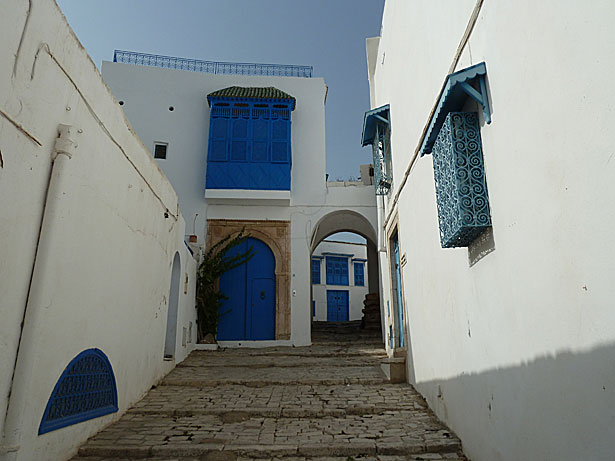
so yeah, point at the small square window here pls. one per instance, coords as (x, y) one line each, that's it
(160, 150)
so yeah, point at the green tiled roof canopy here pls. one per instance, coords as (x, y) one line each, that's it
(269, 92)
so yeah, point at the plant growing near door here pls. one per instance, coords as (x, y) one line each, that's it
(215, 263)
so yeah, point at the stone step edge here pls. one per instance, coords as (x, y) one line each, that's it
(220, 456)
(375, 361)
(271, 451)
(274, 413)
(289, 353)
(272, 382)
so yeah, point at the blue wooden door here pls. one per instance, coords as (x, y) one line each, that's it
(399, 303)
(337, 306)
(249, 311)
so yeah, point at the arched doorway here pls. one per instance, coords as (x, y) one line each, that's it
(171, 335)
(340, 272)
(249, 313)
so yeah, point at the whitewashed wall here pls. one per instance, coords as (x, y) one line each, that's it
(516, 352)
(103, 268)
(148, 93)
(356, 294)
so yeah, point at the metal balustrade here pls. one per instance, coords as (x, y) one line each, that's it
(211, 67)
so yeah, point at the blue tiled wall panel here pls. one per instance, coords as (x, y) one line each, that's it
(246, 175)
(461, 188)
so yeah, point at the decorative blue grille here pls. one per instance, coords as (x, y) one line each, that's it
(461, 188)
(376, 131)
(86, 390)
(381, 150)
(211, 67)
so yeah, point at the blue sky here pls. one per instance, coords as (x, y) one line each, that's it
(326, 34)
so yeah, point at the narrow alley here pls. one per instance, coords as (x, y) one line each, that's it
(327, 400)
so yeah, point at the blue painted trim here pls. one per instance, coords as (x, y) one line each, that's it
(457, 88)
(318, 257)
(327, 253)
(370, 120)
(359, 259)
(48, 426)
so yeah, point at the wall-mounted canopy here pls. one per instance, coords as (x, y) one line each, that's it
(459, 86)
(268, 93)
(371, 120)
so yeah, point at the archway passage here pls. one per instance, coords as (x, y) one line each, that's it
(171, 335)
(250, 310)
(344, 278)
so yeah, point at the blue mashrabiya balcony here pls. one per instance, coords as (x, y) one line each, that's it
(249, 143)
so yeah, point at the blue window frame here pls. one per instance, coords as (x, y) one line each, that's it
(337, 270)
(315, 271)
(86, 390)
(359, 274)
(249, 139)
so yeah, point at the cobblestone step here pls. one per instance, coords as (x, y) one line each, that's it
(229, 456)
(390, 433)
(258, 377)
(322, 349)
(266, 361)
(282, 401)
(329, 401)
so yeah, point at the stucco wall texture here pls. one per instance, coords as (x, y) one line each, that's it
(85, 252)
(514, 352)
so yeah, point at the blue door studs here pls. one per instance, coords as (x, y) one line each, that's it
(337, 305)
(249, 313)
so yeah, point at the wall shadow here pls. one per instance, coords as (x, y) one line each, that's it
(559, 407)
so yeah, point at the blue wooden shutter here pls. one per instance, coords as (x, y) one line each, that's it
(316, 271)
(359, 276)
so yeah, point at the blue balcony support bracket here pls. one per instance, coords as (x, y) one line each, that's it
(469, 82)
(461, 186)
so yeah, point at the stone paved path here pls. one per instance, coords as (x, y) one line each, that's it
(327, 401)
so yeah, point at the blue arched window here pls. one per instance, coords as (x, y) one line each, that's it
(249, 139)
(86, 390)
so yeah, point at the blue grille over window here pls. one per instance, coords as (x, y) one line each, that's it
(359, 275)
(377, 132)
(461, 189)
(86, 390)
(249, 143)
(337, 270)
(315, 271)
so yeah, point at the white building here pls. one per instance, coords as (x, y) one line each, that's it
(339, 282)
(508, 335)
(247, 151)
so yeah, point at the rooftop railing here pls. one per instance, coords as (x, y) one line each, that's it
(211, 67)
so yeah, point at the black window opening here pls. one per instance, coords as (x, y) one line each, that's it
(160, 150)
